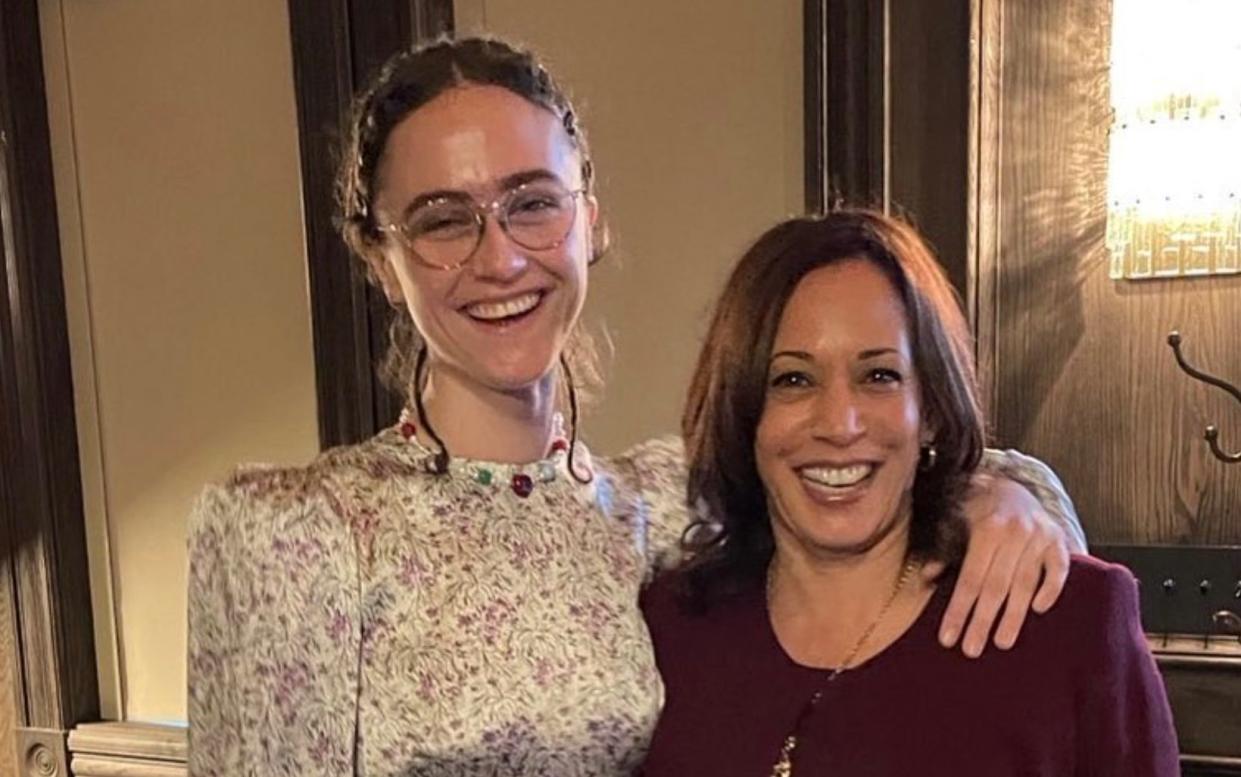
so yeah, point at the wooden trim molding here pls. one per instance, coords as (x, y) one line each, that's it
(814, 98)
(983, 241)
(846, 102)
(337, 45)
(42, 531)
(128, 750)
(886, 114)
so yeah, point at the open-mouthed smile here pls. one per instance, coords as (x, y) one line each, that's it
(834, 483)
(504, 311)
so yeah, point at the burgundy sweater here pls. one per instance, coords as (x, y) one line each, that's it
(1079, 694)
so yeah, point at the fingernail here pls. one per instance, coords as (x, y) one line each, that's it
(948, 637)
(973, 648)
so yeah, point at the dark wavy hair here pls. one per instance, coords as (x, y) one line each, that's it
(407, 81)
(731, 550)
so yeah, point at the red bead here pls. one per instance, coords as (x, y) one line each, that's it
(560, 444)
(522, 485)
(408, 430)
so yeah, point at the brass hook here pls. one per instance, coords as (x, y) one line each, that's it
(1212, 432)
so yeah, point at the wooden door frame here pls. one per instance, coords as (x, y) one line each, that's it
(42, 529)
(845, 90)
(886, 115)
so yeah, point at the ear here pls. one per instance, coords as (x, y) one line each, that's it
(592, 209)
(600, 239)
(380, 262)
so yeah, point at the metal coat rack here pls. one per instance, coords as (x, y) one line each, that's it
(1211, 435)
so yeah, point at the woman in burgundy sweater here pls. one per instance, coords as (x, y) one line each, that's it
(832, 425)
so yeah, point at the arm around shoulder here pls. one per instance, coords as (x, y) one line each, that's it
(1040, 480)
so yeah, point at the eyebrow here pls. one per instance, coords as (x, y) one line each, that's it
(506, 184)
(869, 353)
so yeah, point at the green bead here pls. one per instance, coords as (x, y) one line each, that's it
(483, 476)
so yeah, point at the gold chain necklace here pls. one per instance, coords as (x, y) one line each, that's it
(784, 767)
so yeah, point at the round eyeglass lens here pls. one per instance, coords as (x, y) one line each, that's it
(442, 233)
(538, 216)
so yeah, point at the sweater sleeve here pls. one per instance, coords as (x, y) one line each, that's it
(1040, 480)
(1124, 723)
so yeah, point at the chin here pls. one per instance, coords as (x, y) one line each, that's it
(518, 375)
(836, 537)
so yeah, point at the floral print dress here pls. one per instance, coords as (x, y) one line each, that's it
(362, 616)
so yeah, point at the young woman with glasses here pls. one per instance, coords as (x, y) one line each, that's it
(458, 595)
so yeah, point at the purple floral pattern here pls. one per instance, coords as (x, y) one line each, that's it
(458, 628)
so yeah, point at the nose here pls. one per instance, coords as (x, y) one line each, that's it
(838, 414)
(498, 257)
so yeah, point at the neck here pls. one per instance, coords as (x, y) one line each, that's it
(837, 593)
(477, 422)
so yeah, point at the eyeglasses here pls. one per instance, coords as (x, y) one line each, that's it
(445, 233)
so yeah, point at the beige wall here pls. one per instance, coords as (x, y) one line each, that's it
(175, 145)
(694, 113)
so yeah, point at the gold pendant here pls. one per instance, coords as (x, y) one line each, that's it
(784, 767)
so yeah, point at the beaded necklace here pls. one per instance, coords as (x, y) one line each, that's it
(520, 478)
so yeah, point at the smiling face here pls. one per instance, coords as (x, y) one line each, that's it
(838, 442)
(501, 320)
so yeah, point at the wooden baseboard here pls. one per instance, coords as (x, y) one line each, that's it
(128, 750)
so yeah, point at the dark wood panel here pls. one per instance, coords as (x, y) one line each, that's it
(814, 104)
(323, 79)
(1082, 375)
(1206, 702)
(857, 101)
(1211, 768)
(886, 114)
(337, 45)
(929, 43)
(41, 517)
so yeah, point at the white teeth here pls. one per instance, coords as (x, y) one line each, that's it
(837, 477)
(491, 311)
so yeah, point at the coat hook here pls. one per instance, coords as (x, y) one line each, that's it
(1212, 432)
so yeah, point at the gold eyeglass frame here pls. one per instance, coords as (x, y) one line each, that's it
(481, 210)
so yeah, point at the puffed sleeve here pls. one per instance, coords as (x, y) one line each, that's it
(274, 629)
(657, 468)
(1041, 481)
(215, 710)
(1125, 726)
